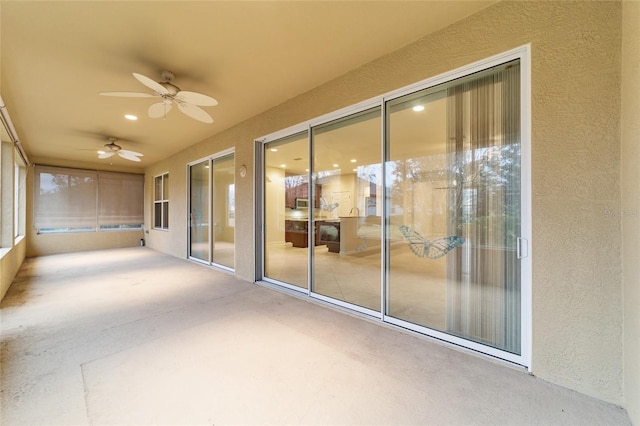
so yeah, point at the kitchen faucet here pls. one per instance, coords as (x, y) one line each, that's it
(356, 209)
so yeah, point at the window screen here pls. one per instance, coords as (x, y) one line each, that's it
(68, 200)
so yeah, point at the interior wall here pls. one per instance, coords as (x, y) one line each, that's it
(223, 232)
(576, 59)
(274, 216)
(630, 211)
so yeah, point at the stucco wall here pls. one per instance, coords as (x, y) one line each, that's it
(630, 211)
(576, 59)
(10, 261)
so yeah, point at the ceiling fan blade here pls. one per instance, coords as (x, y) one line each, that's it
(195, 112)
(196, 98)
(156, 87)
(159, 109)
(106, 155)
(128, 94)
(129, 152)
(128, 155)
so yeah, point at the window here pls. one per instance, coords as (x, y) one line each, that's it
(161, 202)
(19, 197)
(73, 200)
(119, 204)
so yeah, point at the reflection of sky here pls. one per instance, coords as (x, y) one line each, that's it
(232, 198)
(51, 183)
(48, 183)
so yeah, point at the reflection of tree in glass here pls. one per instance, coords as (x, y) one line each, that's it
(486, 190)
(296, 180)
(56, 183)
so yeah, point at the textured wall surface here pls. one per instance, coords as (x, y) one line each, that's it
(10, 261)
(630, 212)
(576, 248)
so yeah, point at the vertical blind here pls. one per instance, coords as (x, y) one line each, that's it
(74, 199)
(483, 150)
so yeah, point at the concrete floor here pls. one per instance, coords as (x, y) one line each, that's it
(132, 336)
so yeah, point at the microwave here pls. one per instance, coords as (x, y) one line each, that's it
(302, 203)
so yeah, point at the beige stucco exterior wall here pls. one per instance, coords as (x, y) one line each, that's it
(10, 261)
(576, 248)
(630, 211)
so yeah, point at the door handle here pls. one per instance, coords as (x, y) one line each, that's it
(522, 248)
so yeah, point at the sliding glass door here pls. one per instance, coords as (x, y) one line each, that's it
(223, 212)
(347, 203)
(286, 211)
(212, 211)
(410, 210)
(199, 191)
(454, 219)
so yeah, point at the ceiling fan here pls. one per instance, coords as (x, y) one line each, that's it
(111, 149)
(188, 102)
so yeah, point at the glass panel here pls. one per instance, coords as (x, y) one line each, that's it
(347, 210)
(199, 211)
(120, 200)
(165, 215)
(158, 188)
(224, 211)
(66, 199)
(157, 215)
(453, 184)
(16, 198)
(286, 237)
(165, 186)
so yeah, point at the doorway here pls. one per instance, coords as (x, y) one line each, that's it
(212, 211)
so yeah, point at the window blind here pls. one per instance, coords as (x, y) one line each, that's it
(73, 199)
(120, 199)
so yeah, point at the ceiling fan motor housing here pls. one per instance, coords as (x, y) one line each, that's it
(171, 88)
(167, 76)
(112, 146)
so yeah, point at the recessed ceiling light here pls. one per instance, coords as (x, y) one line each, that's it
(283, 165)
(335, 165)
(418, 108)
(353, 160)
(130, 117)
(100, 152)
(274, 150)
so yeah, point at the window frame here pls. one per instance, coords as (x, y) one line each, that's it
(162, 203)
(20, 196)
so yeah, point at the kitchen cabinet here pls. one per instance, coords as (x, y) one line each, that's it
(328, 233)
(301, 191)
(296, 232)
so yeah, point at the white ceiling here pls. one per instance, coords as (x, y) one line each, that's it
(56, 56)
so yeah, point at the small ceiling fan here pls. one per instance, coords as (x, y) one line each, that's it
(188, 102)
(110, 149)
